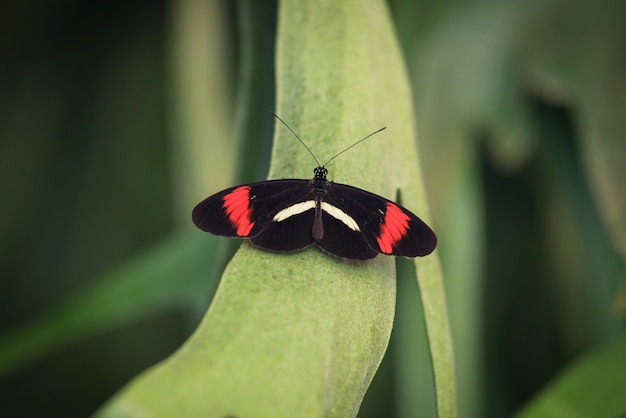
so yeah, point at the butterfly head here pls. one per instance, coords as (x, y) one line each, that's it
(320, 177)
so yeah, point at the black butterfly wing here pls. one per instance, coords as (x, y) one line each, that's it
(278, 215)
(343, 241)
(248, 211)
(387, 227)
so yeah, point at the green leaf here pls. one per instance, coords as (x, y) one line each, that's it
(591, 387)
(172, 275)
(475, 70)
(409, 343)
(303, 334)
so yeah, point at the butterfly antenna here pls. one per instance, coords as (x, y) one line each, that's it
(296, 135)
(355, 144)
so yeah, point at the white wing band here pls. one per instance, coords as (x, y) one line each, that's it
(294, 210)
(340, 215)
(302, 207)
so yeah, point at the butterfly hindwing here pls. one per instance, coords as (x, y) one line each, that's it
(290, 234)
(343, 241)
(387, 227)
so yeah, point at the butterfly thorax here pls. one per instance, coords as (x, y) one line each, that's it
(320, 178)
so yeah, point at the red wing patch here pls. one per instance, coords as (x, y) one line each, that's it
(393, 228)
(237, 209)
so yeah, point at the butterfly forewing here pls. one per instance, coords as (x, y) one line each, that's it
(387, 227)
(246, 211)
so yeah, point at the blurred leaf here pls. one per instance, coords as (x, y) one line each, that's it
(255, 93)
(201, 102)
(587, 269)
(473, 70)
(460, 67)
(591, 387)
(305, 332)
(173, 275)
(577, 58)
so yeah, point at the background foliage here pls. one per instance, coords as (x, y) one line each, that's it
(117, 117)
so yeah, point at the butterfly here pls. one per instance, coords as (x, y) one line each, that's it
(292, 214)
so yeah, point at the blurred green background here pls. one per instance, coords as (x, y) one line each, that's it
(117, 117)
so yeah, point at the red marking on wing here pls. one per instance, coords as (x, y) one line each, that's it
(237, 208)
(393, 228)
